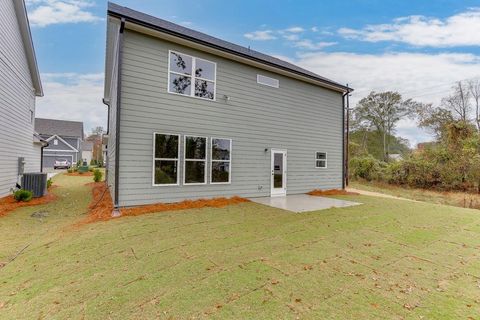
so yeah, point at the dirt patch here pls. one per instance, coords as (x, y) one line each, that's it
(101, 206)
(78, 174)
(332, 192)
(8, 203)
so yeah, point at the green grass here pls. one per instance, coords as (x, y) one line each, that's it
(385, 259)
(452, 198)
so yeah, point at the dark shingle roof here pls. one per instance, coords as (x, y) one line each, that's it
(62, 128)
(205, 39)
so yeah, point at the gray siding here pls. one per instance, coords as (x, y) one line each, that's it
(17, 99)
(112, 31)
(61, 150)
(299, 117)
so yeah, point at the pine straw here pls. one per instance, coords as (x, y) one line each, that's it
(8, 203)
(101, 207)
(78, 174)
(332, 192)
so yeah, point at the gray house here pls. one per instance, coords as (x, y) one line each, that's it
(64, 140)
(20, 147)
(192, 116)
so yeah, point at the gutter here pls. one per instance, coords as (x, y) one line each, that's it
(345, 137)
(119, 103)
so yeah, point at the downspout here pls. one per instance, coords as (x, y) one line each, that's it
(343, 139)
(108, 130)
(41, 155)
(119, 103)
(348, 138)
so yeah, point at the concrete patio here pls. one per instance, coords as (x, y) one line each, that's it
(303, 202)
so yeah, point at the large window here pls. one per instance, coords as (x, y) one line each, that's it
(320, 159)
(221, 160)
(191, 76)
(195, 160)
(165, 161)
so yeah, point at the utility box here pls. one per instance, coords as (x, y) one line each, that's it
(36, 183)
(21, 165)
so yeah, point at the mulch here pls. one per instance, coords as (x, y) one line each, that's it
(332, 192)
(101, 206)
(78, 174)
(8, 203)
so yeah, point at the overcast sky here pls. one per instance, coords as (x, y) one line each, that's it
(419, 48)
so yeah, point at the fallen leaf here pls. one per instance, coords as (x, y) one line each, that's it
(275, 281)
(298, 300)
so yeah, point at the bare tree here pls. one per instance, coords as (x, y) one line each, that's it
(474, 88)
(459, 102)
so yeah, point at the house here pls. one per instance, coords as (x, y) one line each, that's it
(20, 84)
(64, 138)
(87, 151)
(192, 116)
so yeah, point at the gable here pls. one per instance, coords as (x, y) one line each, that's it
(68, 144)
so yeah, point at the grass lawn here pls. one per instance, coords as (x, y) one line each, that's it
(385, 259)
(452, 198)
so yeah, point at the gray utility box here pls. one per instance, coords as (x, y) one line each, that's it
(36, 183)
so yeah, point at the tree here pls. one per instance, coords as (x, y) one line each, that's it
(474, 88)
(382, 111)
(459, 102)
(434, 119)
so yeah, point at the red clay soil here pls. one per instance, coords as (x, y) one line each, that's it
(78, 174)
(331, 192)
(8, 203)
(101, 206)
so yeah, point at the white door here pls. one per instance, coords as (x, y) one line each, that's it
(279, 173)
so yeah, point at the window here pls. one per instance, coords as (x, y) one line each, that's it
(191, 76)
(55, 142)
(195, 162)
(320, 159)
(267, 81)
(165, 159)
(221, 160)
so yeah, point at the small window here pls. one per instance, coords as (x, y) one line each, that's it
(165, 159)
(191, 76)
(221, 161)
(195, 162)
(55, 142)
(320, 160)
(267, 81)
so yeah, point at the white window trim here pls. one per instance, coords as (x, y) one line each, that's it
(192, 77)
(266, 84)
(198, 160)
(166, 159)
(326, 160)
(229, 162)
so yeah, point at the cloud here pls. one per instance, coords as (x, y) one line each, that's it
(424, 77)
(47, 12)
(457, 30)
(310, 45)
(260, 35)
(294, 30)
(73, 96)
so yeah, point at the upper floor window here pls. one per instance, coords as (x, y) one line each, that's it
(191, 76)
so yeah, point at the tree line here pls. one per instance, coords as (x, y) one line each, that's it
(450, 162)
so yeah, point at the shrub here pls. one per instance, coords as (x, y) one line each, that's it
(49, 183)
(71, 170)
(97, 175)
(23, 195)
(93, 162)
(367, 168)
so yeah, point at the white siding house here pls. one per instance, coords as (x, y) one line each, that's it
(19, 86)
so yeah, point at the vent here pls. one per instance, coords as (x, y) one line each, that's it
(36, 183)
(267, 81)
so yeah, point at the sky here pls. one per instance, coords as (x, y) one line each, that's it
(419, 48)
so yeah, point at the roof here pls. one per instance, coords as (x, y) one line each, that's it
(24, 25)
(62, 128)
(176, 30)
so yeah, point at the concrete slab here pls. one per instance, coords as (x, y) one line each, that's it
(303, 202)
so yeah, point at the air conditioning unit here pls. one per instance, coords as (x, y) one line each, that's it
(36, 183)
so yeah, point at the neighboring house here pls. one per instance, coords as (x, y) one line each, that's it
(87, 151)
(104, 149)
(64, 140)
(20, 147)
(192, 116)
